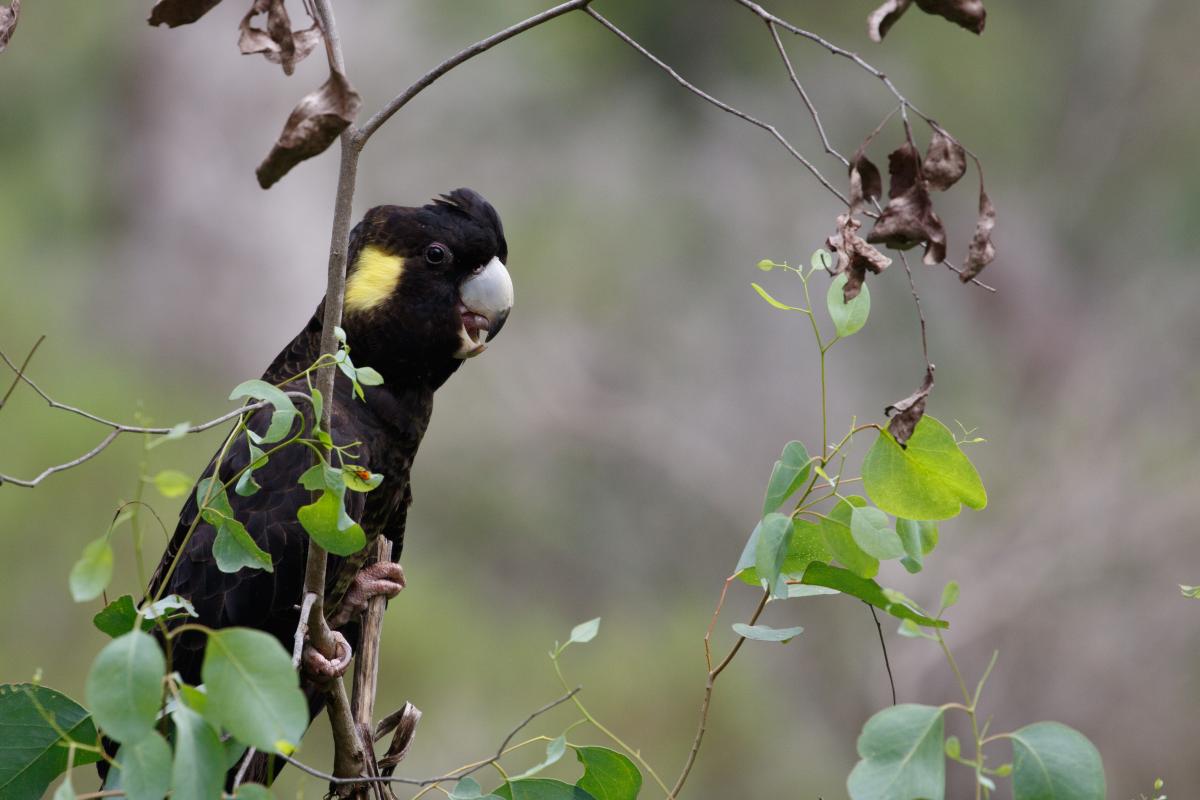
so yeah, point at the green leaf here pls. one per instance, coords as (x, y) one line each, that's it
(931, 479)
(246, 485)
(805, 546)
(585, 631)
(1054, 762)
(953, 746)
(171, 605)
(145, 767)
(469, 789)
(254, 791)
(607, 774)
(199, 769)
(541, 789)
(253, 691)
(118, 617)
(839, 540)
(868, 591)
(318, 403)
(771, 550)
(234, 548)
(285, 411)
(554, 751)
(787, 476)
(765, 633)
(359, 479)
(950, 594)
(172, 483)
(1190, 591)
(795, 590)
(870, 529)
(766, 265)
(92, 572)
(848, 318)
(911, 630)
(124, 686)
(822, 259)
(918, 538)
(369, 377)
(765, 296)
(65, 790)
(323, 519)
(313, 478)
(901, 750)
(30, 761)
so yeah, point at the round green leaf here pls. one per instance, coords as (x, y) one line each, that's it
(253, 691)
(31, 759)
(607, 774)
(1054, 762)
(839, 540)
(805, 546)
(199, 769)
(930, 480)
(285, 411)
(145, 768)
(359, 479)
(93, 570)
(254, 791)
(902, 757)
(870, 529)
(322, 520)
(788, 475)
(848, 318)
(124, 686)
(765, 633)
(117, 617)
(585, 631)
(554, 751)
(822, 259)
(771, 551)
(172, 483)
(541, 789)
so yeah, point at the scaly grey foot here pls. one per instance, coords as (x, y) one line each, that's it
(384, 578)
(317, 663)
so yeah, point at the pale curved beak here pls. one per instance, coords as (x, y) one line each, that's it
(486, 298)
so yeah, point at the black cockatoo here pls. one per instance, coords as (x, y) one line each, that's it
(426, 289)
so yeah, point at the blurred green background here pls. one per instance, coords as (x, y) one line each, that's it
(607, 457)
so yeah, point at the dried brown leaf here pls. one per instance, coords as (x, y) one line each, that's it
(909, 219)
(854, 256)
(312, 126)
(945, 161)
(970, 14)
(8, 22)
(174, 13)
(279, 44)
(909, 410)
(865, 181)
(981, 251)
(881, 19)
(404, 722)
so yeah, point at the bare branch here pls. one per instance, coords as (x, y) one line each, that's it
(483, 45)
(771, 129)
(453, 776)
(118, 428)
(812, 110)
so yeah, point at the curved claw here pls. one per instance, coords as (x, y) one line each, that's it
(384, 578)
(317, 663)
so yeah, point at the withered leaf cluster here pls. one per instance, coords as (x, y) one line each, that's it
(8, 22)
(969, 14)
(981, 251)
(279, 44)
(854, 256)
(908, 412)
(320, 116)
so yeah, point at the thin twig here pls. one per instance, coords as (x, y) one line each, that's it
(812, 110)
(882, 644)
(241, 773)
(453, 776)
(707, 701)
(398, 102)
(21, 371)
(302, 628)
(769, 128)
(912, 284)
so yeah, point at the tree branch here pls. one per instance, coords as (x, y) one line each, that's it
(771, 129)
(483, 45)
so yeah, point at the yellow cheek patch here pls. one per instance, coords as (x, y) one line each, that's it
(373, 280)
